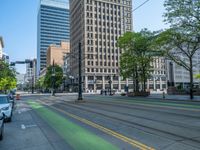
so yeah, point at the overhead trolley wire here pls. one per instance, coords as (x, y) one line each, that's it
(140, 5)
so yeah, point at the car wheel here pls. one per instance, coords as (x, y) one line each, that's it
(2, 130)
(10, 119)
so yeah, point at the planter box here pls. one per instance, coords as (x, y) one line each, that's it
(123, 94)
(143, 94)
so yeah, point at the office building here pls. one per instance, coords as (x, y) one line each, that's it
(158, 79)
(20, 79)
(29, 74)
(53, 27)
(98, 24)
(1, 47)
(56, 53)
(6, 58)
(178, 76)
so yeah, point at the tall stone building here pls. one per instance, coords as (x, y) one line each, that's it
(97, 24)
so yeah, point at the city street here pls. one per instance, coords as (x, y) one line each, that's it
(100, 75)
(102, 123)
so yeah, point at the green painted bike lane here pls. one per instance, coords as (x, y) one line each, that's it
(77, 137)
(149, 102)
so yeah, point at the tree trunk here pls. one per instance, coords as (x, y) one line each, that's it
(191, 79)
(137, 82)
(144, 85)
(133, 84)
(144, 80)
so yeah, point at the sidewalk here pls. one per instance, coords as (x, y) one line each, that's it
(23, 133)
(173, 97)
(28, 132)
(49, 94)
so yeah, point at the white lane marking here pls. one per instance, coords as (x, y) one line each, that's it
(23, 127)
(31, 126)
(28, 126)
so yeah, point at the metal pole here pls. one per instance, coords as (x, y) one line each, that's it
(32, 86)
(80, 76)
(53, 82)
(110, 86)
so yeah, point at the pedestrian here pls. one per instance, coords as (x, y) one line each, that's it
(163, 95)
(105, 92)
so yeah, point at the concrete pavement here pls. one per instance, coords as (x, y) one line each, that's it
(28, 132)
(158, 124)
(107, 122)
(174, 97)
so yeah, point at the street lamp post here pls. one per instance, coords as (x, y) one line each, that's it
(80, 75)
(110, 82)
(64, 82)
(53, 78)
(32, 86)
(71, 79)
(39, 86)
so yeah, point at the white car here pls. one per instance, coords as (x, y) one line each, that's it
(1, 125)
(6, 107)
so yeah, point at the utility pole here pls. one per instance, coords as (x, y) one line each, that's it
(32, 85)
(53, 79)
(110, 82)
(31, 66)
(80, 75)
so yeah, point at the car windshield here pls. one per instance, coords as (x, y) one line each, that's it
(3, 100)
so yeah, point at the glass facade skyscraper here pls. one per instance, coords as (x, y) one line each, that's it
(53, 27)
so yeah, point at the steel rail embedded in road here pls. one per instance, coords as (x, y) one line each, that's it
(132, 142)
(156, 104)
(138, 107)
(134, 123)
(141, 117)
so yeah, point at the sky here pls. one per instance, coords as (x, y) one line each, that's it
(18, 25)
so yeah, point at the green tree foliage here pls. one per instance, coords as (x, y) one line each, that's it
(49, 78)
(40, 83)
(135, 62)
(197, 76)
(182, 40)
(7, 77)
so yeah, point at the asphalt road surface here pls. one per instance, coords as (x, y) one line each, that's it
(102, 123)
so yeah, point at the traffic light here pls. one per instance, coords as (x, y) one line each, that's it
(12, 64)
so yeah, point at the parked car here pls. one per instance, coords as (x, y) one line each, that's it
(1, 125)
(6, 107)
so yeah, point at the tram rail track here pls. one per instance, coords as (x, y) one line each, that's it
(136, 125)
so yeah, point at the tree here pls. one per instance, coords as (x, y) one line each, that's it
(128, 68)
(135, 62)
(7, 77)
(197, 76)
(40, 83)
(182, 40)
(53, 77)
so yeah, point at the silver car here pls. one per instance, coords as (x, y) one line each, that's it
(6, 107)
(1, 125)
